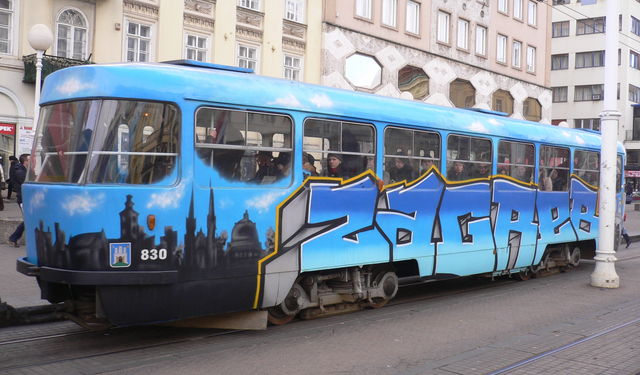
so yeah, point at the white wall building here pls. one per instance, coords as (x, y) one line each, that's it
(577, 68)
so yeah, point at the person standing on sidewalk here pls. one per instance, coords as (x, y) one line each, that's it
(12, 163)
(20, 173)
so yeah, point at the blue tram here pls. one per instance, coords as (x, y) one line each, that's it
(160, 192)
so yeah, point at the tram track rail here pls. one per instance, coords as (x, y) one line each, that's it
(559, 349)
(443, 289)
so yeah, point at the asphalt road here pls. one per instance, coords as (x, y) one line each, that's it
(468, 326)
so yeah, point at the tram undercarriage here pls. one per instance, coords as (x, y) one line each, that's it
(324, 293)
(315, 295)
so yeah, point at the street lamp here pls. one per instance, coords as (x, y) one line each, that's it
(604, 275)
(40, 38)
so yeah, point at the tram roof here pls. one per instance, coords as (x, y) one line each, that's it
(175, 83)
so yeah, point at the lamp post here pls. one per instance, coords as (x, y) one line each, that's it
(40, 38)
(604, 275)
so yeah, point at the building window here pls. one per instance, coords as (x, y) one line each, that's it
(363, 71)
(501, 50)
(389, 11)
(244, 146)
(292, 67)
(516, 159)
(294, 10)
(250, 4)
(247, 57)
(196, 47)
(443, 27)
(560, 29)
(71, 38)
(462, 94)
(589, 59)
(590, 26)
(468, 157)
(588, 93)
(463, 34)
(635, 25)
(517, 9)
(532, 109)
(138, 42)
(408, 154)
(413, 80)
(531, 59)
(324, 140)
(554, 165)
(516, 61)
(6, 26)
(481, 40)
(559, 94)
(560, 62)
(502, 6)
(413, 17)
(561, 2)
(532, 14)
(363, 9)
(587, 123)
(634, 94)
(502, 102)
(634, 59)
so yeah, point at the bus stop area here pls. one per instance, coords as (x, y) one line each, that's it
(600, 338)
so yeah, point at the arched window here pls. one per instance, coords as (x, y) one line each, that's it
(462, 94)
(71, 35)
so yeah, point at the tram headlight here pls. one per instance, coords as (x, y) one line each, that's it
(151, 222)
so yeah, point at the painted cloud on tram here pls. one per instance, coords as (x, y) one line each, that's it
(82, 203)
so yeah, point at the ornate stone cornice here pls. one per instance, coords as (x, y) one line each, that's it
(293, 45)
(147, 8)
(248, 33)
(200, 7)
(249, 18)
(199, 22)
(294, 30)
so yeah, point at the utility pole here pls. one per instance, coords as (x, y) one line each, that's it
(604, 275)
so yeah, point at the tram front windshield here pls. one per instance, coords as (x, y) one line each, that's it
(106, 141)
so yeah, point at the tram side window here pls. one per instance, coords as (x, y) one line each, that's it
(337, 148)
(516, 159)
(554, 168)
(244, 146)
(586, 165)
(468, 157)
(139, 145)
(409, 153)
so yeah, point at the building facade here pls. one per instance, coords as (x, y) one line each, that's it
(577, 70)
(487, 54)
(278, 38)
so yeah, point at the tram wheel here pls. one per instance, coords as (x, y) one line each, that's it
(574, 257)
(277, 317)
(378, 302)
(389, 282)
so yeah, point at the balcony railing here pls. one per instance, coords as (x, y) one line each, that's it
(49, 65)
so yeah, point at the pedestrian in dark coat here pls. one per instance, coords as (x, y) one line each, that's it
(13, 161)
(20, 173)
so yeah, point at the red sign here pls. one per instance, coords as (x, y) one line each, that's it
(632, 173)
(9, 129)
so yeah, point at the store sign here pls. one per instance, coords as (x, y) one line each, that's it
(9, 129)
(632, 173)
